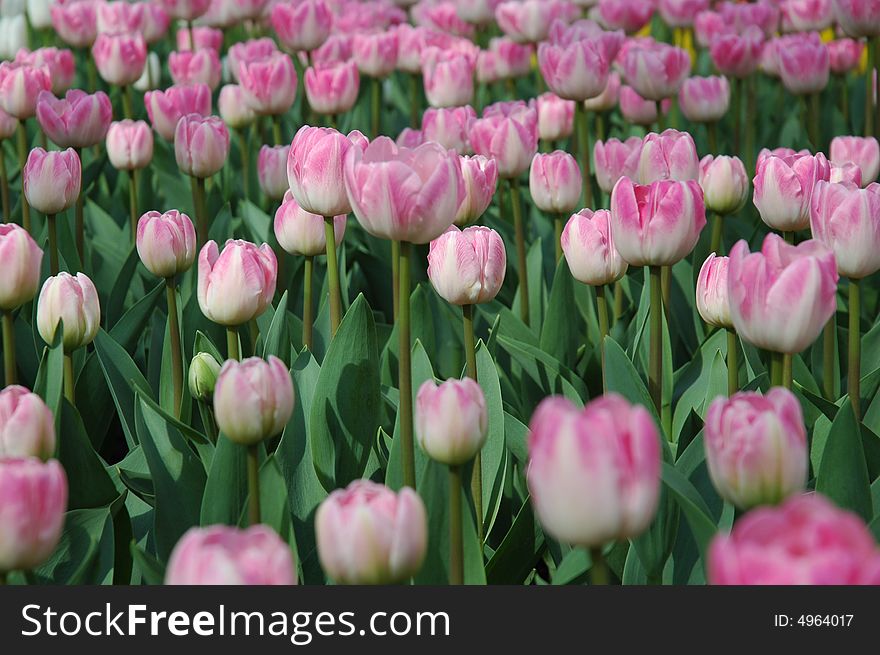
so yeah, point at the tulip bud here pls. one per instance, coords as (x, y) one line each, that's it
(269, 84)
(375, 53)
(576, 70)
(784, 186)
(588, 245)
(204, 37)
(845, 55)
(233, 108)
(332, 88)
(615, 159)
(187, 10)
(302, 26)
(527, 21)
(448, 78)
(656, 70)
(480, 178)
(20, 85)
(449, 127)
(52, 180)
(864, 152)
(78, 121)
(367, 534)
(712, 299)
(166, 108)
(8, 125)
(555, 182)
(203, 372)
(253, 399)
(725, 184)
(302, 233)
(20, 259)
(222, 555)
(57, 62)
(237, 284)
(27, 426)
(704, 99)
(33, 499)
(199, 67)
(73, 300)
(846, 220)
(120, 58)
(508, 133)
(166, 243)
(630, 16)
(248, 51)
(555, 117)
(129, 145)
(451, 420)
(594, 473)
(467, 267)
(314, 170)
(804, 65)
(737, 55)
(671, 155)
(272, 171)
(75, 23)
(201, 145)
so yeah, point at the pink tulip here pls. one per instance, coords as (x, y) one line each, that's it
(704, 99)
(449, 127)
(411, 40)
(58, 63)
(608, 99)
(332, 88)
(27, 426)
(505, 59)
(782, 296)
(237, 284)
(784, 186)
(250, 9)
(636, 109)
(737, 55)
(441, 16)
(864, 152)
(594, 473)
(448, 78)
(527, 21)
(8, 125)
(75, 23)
(375, 53)
(615, 159)
(204, 37)
(807, 15)
(844, 55)
(708, 25)
(847, 220)
(681, 13)
(233, 108)
(201, 145)
(804, 541)
(507, 132)
(588, 245)
(577, 70)
(804, 65)
(52, 180)
(187, 10)
(410, 138)
(120, 58)
(73, 301)
(155, 23)
(725, 184)
(253, 399)
(33, 499)
(480, 179)
(656, 71)
(315, 170)
(629, 16)
(451, 419)
(404, 194)
(846, 172)
(20, 86)
(756, 447)
(671, 155)
(783, 153)
(368, 534)
(858, 17)
(166, 243)
(79, 120)
(272, 171)
(555, 182)
(477, 12)
(466, 267)
(269, 84)
(129, 145)
(742, 16)
(199, 67)
(302, 26)
(302, 233)
(119, 17)
(248, 51)
(336, 49)
(222, 555)
(657, 224)
(713, 303)
(20, 259)
(555, 116)
(166, 108)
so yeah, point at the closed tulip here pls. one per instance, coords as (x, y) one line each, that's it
(577, 70)
(332, 88)
(713, 302)
(448, 78)
(724, 182)
(708, 25)
(807, 15)
(480, 180)
(269, 84)
(187, 10)
(272, 171)
(202, 376)
(858, 17)
(782, 296)
(20, 258)
(756, 447)
(844, 55)
(737, 55)
(555, 182)
(508, 133)
(555, 117)
(451, 420)
(671, 155)
(27, 426)
(302, 233)
(847, 220)
(129, 145)
(658, 224)
(505, 59)
(588, 245)
(368, 534)
(594, 473)
(33, 499)
(8, 125)
(20, 86)
(302, 26)
(155, 22)
(166, 243)
(253, 399)
(79, 120)
(237, 284)
(527, 21)
(805, 541)
(630, 16)
(204, 37)
(120, 58)
(864, 152)
(52, 179)
(704, 99)
(166, 108)
(248, 51)
(375, 53)
(449, 127)
(466, 267)
(233, 108)
(201, 145)
(223, 555)
(804, 65)
(614, 159)
(681, 13)
(199, 67)
(784, 186)
(636, 109)
(610, 96)
(73, 300)
(76, 23)
(119, 17)
(656, 70)
(58, 62)
(404, 194)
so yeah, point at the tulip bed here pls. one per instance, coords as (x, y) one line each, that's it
(584, 388)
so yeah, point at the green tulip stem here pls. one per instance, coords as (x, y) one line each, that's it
(132, 204)
(245, 155)
(787, 376)
(655, 360)
(717, 233)
(749, 103)
(22, 160)
(558, 226)
(233, 351)
(456, 541)
(176, 354)
(828, 352)
(470, 352)
(732, 366)
(855, 341)
(876, 54)
(869, 86)
(376, 107)
(127, 111)
(308, 318)
(253, 471)
(395, 277)
(192, 38)
(599, 570)
(79, 219)
(8, 348)
(415, 100)
(68, 379)
(198, 194)
(333, 276)
(814, 124)
(712, 130)
(775, 369)
(91, 71)
(618, 300)
(2, 578)
(519, 231)
(404, 357)
(52, 228)
(276, 130)
(602, 312)
(583, 148)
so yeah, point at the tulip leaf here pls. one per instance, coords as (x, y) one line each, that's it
(494, 456)
(276, 340)
(50, 376)
(843, 472)
(519, 551)
(692, 504)
(226, 485)
(84, 552)
(87, 479)
(621, 377)
(563, 330)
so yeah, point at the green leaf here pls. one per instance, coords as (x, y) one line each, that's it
(276, 340)
(563, 330)
(692, 504)
(621, 377)
(87, 479)
(49, 384)
(124, 379)
(843, 473)
(150, 568)
(519, 550)
(226, 487)
(84, 554)
(493, 454)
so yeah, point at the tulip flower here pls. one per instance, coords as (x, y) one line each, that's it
(166, 243)
(449, 127)
(480, 178)
(247, 52)
(713, 303)
(725, 189)
(508, 133)
(671, 155)
(844, 55)
(608, 99)
(76, 23)
(222, 555)
(20, 86)
(862, 151)
(368, 534)
(555, 186)
(186, 10)
(505, 59)
(636, 109)
(588, 245)
(656, 70)
(804, 66)
(681, 13)
(302, 26)
(466, 267)
(527, 21)
(79, 120)
(630, 16)
(575, 70)
(27, 426)
(166, 108)
(804, 541)
(20, 259)
(448, 77)
(272, 171)
(235, 111)
(198, 38)
(858, 17)
(129, 145)
(203, 373)
(199, 67)
(332, 88)
(555, 117)
(737, 55)
(120, 59)
(704, 99)
(376, 57)
(784, 186)
(59, 64)
(616, 159)
(33, 499)
(269, 84)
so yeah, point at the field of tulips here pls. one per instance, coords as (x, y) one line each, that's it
(440, 292)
